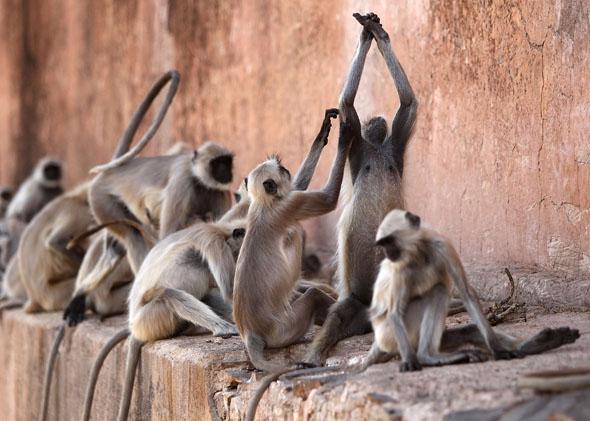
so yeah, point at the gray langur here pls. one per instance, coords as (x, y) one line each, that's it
(376, 162)
(42, 186)
(269, 264)
(411, 299)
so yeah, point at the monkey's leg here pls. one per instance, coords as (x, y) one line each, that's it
(544, 341)
(346, 318)
(114, 303)
(96, 367)
(255, 345)
(431, 331)
(191, 309)
(375, 356)
(214, 300)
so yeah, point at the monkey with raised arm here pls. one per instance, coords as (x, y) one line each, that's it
(42, 186)
(269, 264)
(376, 161)
(411, 299)
(174, 282)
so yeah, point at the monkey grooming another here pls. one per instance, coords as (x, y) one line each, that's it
(411, 299)
(269, 264)
(376, 162)
(35, 192)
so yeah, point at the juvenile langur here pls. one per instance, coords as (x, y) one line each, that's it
(411, 299)
(170, 292)
(188, 277)
(5, 198)
(40, 188)
(376, 162)
(269, 264)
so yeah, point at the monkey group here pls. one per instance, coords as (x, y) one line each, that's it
(163, 240)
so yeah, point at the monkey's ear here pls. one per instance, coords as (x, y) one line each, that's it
(246, 183)
(413, 219)
(238, 233)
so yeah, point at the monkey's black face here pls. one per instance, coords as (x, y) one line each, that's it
(221, 169)
(238, 233)
(52, 172)
(375, 130)
(270, 186)
(391, 247)
(5, 195)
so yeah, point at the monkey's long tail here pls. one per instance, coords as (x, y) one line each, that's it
(104, 352)
(295, 372)
(132, 360)
(148, 236)
(49, 371)
(122, 155)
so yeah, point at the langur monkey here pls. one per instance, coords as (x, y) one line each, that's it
(164, 192)
(5, 198)
(411, 298)
(376, 161)
(40, 188)
(11, 229)
(269, 264)
(174, 283)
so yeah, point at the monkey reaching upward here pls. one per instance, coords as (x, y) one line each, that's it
(376, 162)
(36, 191)
(269, 264)
(411, 299)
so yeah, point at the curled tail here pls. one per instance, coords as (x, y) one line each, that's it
(49, 371)
(132, 360)
(104, 352)
(122, 154)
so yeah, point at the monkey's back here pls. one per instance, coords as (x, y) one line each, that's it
(376, 190)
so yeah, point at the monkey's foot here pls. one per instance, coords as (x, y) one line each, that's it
(313, 359)
(226, 333)
(476, 356)
(74, 312)
(549, 339)
(506, 354)
(411, 365)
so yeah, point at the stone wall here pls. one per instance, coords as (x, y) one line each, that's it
(500, 159)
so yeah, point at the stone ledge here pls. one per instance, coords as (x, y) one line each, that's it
(201, 377)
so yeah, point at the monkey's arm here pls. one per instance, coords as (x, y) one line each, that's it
(238, 211)
(221, 262)
(348, 113)
(408, 354)
(59, 240)
(305, 172)
(405, 117)
(307, 204)
(177, 202)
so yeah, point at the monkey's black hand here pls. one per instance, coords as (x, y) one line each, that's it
(326, 126)
(372, 24)
(74, 313)
(411, 365)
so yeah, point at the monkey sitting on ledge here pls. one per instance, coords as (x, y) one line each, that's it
(410, 303)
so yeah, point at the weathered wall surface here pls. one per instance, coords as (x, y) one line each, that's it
(500, 159)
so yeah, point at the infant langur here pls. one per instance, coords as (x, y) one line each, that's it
(411, 297)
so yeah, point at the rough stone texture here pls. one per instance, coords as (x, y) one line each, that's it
(500, 159)
(200, 378)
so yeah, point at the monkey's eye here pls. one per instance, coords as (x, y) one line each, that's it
(238, 233)
(246, 183)
(237, 197)
(391, 247)
(270, 186)
(6, 195)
